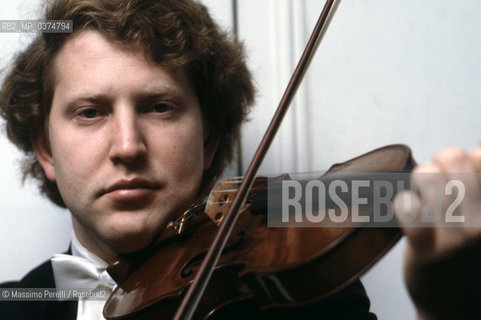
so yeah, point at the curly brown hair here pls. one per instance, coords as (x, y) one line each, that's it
(172, 33)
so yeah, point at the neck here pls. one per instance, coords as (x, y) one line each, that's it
(99, 250)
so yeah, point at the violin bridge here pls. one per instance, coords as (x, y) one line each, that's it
(221, 198)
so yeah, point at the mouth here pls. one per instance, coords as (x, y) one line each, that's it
(131, 190)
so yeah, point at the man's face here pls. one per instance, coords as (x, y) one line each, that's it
(126, 143)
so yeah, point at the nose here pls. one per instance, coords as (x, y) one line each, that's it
(127, 136)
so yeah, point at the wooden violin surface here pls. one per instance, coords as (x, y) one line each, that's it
(271, 266)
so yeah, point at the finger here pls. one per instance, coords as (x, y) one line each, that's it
(475, 159)
(407, 207)
(462, 169)
(428, 181)
(453, 160)
(462, 166)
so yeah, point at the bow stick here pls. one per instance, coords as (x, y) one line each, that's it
(194, 293)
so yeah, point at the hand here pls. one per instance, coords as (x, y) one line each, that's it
(442, 266)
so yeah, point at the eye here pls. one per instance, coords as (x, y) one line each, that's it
(160, 108)
(89, 113)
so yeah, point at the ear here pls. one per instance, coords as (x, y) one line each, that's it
(210, 148)
(44, 156)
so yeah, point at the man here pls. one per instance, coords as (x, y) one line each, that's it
(125, 122)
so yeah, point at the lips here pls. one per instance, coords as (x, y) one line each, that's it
(131, 190)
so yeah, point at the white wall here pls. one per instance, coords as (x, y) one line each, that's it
(386, 72)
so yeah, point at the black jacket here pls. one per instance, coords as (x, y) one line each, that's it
(40, 277)
(351, 303)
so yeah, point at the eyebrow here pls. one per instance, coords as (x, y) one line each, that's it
(145, 95)
(156, 93)
(89, 98)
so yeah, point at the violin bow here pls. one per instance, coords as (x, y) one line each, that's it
(195, 291)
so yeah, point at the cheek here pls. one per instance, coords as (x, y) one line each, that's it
(185, 153)
(74, 160)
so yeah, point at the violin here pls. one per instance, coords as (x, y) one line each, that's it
(248, 264)
(260, 267)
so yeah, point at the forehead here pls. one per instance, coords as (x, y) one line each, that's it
(90, 51)
(88, 62)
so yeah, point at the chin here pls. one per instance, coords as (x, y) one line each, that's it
(128, 239)
(131, 243)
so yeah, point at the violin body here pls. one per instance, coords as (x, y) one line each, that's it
(260, 267)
